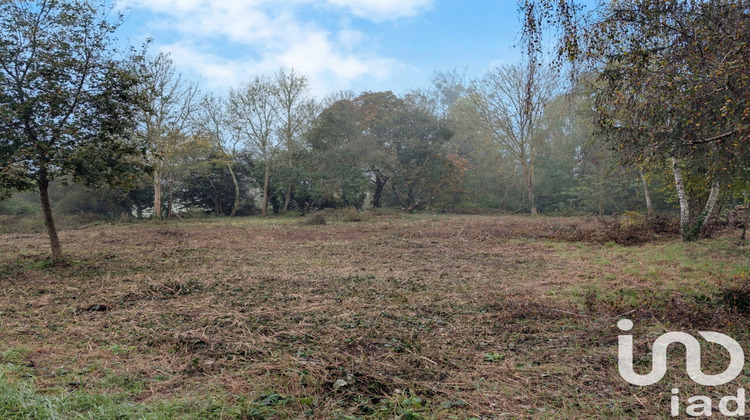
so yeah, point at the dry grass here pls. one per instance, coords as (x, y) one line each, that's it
(421, 316)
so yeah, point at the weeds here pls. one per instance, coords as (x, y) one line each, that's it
(736, 295)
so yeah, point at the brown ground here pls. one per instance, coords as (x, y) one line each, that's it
(431, 316)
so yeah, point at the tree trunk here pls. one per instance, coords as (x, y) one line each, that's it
(157, 195)
(48, 220)
(708, 211)
(647, 194)
(236, 191)
(289, 187)
(267, 178)
(683, 198)
(139, 211)
(404, 205)
(169, 203)
(530, 188)
(747, 215)
(215, 199)
(287, 199)
(380, 182)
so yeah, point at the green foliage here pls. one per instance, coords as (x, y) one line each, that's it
(20, 205)
(67, 104)
(672, 83)
(205, 182)
(379, 144)
(20, 399)
(417, 161)
(493, 357)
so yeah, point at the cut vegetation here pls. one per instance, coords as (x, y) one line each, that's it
(418, 316)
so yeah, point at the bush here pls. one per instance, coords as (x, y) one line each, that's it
(18, 206)
(315, 220)
(663, 224)
(737, 295)
(196, 213)
(292, 213)
(630, 228)
(351, 215)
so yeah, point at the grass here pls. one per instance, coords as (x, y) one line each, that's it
(418, 316)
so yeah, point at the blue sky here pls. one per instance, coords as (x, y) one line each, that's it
(339, 44)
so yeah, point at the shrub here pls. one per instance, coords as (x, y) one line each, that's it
(351, 215)
(737, 295)
(663, 224)
(18, 206)
(315, 220)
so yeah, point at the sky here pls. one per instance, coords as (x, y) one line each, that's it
(358, 45)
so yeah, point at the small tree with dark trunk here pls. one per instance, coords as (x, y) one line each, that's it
(67, 105)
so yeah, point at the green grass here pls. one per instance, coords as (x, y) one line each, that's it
(21, 399)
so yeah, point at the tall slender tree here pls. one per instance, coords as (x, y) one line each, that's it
(171, 100)
(296, 111)
(511, 107)
(212, 121)
(254, 113)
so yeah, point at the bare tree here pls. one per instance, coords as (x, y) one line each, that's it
(510, 104)
(212, 121)
(254, 113)
(171, 100)
(296, 111)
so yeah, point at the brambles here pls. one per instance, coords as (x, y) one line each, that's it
(737, 295)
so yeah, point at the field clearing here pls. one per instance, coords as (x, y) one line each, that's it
(419, 316)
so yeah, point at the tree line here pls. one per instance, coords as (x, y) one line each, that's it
(654, 117)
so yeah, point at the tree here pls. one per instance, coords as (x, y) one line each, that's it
(674, 84)
(510, 103)
(450, 86)
(676, 87)
(335, 166)
(254, 114)
(296, 111)
(374, 110)
(416, 157)
(358, 129)
(212, 121)
(165, 120)
(202, 178)
(381, 140)
(67, 104)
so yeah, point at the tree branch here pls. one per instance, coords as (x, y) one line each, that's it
(715, 138)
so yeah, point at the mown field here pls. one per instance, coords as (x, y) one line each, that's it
(425, 316)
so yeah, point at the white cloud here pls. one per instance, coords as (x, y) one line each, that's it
(228, 42)
(380, 10)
